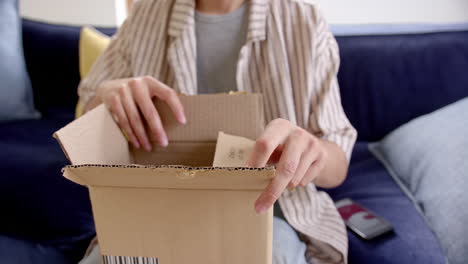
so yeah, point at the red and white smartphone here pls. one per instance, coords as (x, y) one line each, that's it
(362, 221)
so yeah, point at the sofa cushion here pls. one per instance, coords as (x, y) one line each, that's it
(16, 99)
(428, 157)
(388, 80)
(395, 28)
(39, 204)
(51, 53)
(369, 184)
(17, 251)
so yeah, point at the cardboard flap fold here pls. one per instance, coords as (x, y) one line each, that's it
(170, 177)
(94, 138)
(71, 175)
(207, 114)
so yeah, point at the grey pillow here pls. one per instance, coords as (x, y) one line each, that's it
(16, 101)
(428, 157)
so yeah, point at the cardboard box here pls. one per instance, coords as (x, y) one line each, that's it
(173, 207)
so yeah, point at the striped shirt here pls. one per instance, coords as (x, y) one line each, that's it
(289, 56)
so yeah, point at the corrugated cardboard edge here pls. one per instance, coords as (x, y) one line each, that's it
(170, 177)
(70, 175)
(168, 167)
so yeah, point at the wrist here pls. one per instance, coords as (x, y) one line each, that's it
(335, 165)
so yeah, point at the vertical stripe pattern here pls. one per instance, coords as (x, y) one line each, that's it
(128, 260)
(290, 57)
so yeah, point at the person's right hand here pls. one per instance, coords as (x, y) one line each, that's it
(131, 101)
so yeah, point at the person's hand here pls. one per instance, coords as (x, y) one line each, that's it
(131, 102)
(299, 157)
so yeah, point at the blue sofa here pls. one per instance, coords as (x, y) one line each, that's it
(385, 82)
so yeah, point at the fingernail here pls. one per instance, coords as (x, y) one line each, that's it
(163, 141)
(183, 120)
(148, 147)
(136, 145)
(260, 208)
(250, 164)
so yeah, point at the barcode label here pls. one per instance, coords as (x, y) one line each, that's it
(128, 260)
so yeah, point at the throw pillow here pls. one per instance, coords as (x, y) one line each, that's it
(92, 44)
(428, 158)
(16, 99)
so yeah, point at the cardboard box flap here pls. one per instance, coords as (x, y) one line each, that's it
(193, 154)
(94, 138)
(207, 114)
(170, 177)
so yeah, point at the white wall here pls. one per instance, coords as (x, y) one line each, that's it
(394, 11)
(76, 12)
(113, 12)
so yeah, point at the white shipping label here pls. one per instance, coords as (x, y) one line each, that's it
(232, 151)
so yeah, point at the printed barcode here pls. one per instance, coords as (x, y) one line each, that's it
(128, 260)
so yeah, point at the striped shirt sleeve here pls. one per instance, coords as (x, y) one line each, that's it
(113, 63)
(328, 118)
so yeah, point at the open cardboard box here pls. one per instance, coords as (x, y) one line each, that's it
(174, 207)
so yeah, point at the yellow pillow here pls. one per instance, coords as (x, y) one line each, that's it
(92, 45)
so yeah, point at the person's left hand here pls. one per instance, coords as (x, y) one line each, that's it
(299, 155)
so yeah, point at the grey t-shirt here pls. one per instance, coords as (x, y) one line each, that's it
(219, 40)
